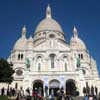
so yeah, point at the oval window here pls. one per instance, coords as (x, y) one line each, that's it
(84, 72)
(51, 35)
(19, 72)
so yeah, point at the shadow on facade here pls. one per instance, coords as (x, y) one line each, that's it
(71, 88)
(38, 87)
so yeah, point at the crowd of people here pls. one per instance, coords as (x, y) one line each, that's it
(8, 92)
(36, 95)
(92, 97)
(91, 93)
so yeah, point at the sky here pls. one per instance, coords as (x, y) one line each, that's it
(84, 14)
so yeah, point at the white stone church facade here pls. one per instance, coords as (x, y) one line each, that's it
(48, 58)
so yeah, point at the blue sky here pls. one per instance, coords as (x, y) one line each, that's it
(85, 14)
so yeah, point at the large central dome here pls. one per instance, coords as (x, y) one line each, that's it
(48, 23)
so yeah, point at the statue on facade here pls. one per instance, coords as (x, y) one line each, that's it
(78, 64)
(27, 62)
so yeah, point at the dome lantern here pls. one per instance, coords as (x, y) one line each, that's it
(75, 32)
(48, 12)
(24, 32)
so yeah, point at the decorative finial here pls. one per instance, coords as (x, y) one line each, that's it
(30, 38)
(24, 31)
(75, 32)
(48, 12)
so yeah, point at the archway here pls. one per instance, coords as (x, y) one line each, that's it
(38, 87)
(54, 86)
(70, 87)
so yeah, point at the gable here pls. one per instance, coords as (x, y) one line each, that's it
(53, 45)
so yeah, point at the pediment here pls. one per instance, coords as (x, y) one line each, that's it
(52, 44)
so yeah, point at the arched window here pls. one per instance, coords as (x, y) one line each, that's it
(84, 72)
(21, 56)
(18, 56)
(39, 60)
(39, 66)
(52, 57)
(65, 66)
(81, 56)
(39, 57)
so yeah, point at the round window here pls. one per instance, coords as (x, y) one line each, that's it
(19, 72)
(51, 35)
(84, 72)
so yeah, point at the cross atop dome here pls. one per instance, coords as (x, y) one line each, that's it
(48, 12)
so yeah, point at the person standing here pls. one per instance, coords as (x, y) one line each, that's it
(28, 97)
(99, 96)
(92, 90)
(86, 97)
(91, 98)
(21, 92)
(2, 91)
(96, 90)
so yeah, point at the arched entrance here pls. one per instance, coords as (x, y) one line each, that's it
(38, 87)
(54, 86)
(70, 87)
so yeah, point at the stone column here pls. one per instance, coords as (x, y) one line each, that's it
(44, 90)
(62, 82)
(82, 82)
(45, 85)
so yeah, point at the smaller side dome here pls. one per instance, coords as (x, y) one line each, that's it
(76, 42)
(22, 41)
(20, 44)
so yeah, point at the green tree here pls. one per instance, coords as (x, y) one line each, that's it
(6, 71)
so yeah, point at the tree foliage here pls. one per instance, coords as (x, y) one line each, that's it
(6, 71)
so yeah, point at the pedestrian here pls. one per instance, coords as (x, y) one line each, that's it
(28, 97)
(13, 92)
(18, 98)
(86, 97)
(2, 91)
(95, 97)
(91, 97)
(68, 97)
(99, 96)
(8, 92)
(21, 92)
(92, 90)
(52, 97)
(96, 90)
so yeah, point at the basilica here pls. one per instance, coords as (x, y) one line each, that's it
(46, 61)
